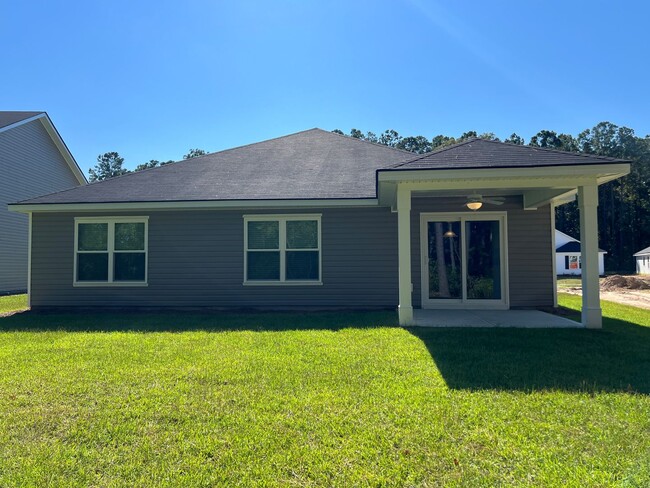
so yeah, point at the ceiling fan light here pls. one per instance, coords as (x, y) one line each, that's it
(449, 233)
(474, 205)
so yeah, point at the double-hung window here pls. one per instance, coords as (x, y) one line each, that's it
(282, 249)
(110, 251)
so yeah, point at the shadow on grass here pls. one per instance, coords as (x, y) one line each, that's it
(615, 359)
(29, 321)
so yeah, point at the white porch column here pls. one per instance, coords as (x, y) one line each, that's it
(592, 316)
(405, 309)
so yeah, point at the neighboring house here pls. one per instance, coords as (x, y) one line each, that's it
(317, 220)
(643, 261)
(33, 160)
(567, 256)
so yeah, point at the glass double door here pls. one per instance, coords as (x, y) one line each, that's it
(463, 261)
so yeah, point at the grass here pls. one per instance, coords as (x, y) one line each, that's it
(321, 400)
(568, 282)
(12, 303)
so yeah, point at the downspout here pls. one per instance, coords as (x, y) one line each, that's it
(553, 254)
(29, 262)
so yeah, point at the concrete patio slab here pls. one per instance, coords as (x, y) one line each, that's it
(527, 319)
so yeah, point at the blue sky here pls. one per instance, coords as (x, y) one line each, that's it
(153, 79)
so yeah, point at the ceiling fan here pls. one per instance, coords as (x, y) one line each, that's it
(476, 201)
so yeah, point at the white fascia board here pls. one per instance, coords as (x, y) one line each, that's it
(193, 205)
(554, 176)
(63, 149)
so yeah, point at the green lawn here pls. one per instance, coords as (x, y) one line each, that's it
(321, 400)
(568, 282)
(12, 303)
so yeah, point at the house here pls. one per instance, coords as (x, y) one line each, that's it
(567, 256)
(642, 259)
(33, 160)
(317, 220)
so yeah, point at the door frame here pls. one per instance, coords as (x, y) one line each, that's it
(464, 302)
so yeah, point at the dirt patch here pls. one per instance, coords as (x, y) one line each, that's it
(628, 290)
(13, 312)
(618, 282)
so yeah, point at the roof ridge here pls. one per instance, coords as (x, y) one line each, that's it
(364, 140)
(197, 158)
(435, 151)
(131, 173)
(559, 151)
(249, 144)
(522, 146)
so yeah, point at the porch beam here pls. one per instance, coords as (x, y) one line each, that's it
(592, 316)
(534, 199)
(603, 172)
(405, 308)
(559, 183)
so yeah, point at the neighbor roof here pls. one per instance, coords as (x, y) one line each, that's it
(9, 118)
(481, 153)
(643, 252)
(573, 246)
(313, 164)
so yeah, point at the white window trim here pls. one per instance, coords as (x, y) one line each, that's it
(111, 221)
(282, 221)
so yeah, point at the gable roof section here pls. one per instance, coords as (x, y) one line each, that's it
(643, 252)
(573, 246)
(10, 120)
(480, 153)
(313, 164)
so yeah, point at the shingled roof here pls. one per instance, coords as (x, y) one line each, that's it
(9, 118)
(482, 153)
(313, 164)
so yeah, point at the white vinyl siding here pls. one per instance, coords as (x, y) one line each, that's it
(282, 249)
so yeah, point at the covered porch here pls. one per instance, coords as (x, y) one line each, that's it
(527, 319)
(529, 190)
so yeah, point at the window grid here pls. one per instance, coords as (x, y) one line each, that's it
(110, 250)
(282, 247)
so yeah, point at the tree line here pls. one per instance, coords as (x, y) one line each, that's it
(624, 204)
(111, 164)
(624, 210)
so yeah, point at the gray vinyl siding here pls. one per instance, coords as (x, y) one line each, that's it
(196, 259)
(530, 256)
(30, 165)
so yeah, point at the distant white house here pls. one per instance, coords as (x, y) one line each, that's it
(643, 261)
(33, 160)
(567, 255)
